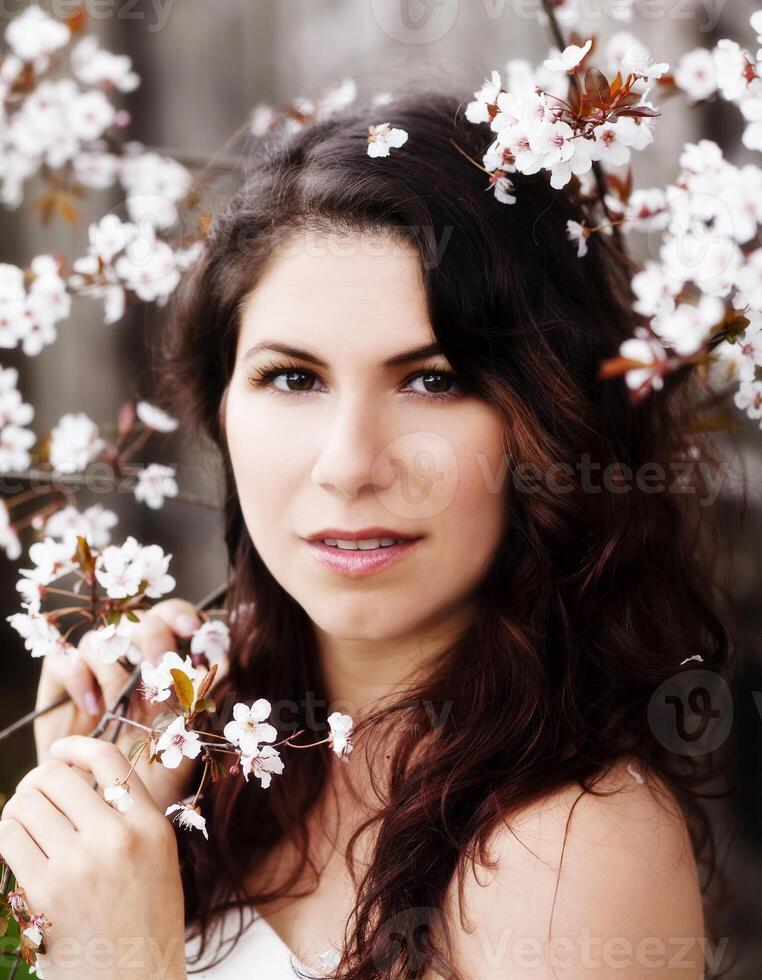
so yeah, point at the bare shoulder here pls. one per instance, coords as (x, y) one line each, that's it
(594, 885)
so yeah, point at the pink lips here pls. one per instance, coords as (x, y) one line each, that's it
(359, 563)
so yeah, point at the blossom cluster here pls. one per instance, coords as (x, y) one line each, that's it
(702, 299)
(67, 131)
(118, 581)
(74, 442)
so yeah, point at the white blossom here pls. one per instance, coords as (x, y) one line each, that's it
(749, 398)
(569, 58)
(485, 99)
(687, 327)
(115, 641)
(40, 636)
(731, 63)
(155, 185)
(153, 565)
(263, 762)
(655, 291)
(9, 540)
(33, 33)
(15, 444)
(154, 484)
(119, 797)
(155, 418)
(94, 524)
(635, 63)
(156, 682)
(176, 742)
(147, 267)
(383, 137)
(751, 109)
(95, 66)
(341, 731)
(119, 570)
(696, 74)
(187, 817)
(74, 442)
(51, 559)
(576, 232)
(756, 24)
(651, 353)
(249, 727)
(212, 639)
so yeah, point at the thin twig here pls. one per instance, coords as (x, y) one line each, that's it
(208, 601)
(600, 176)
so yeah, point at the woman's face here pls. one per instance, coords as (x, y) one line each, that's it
(359, 441)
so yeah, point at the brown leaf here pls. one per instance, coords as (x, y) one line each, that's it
(126, 418)
(641, 110)
(207, 682)
(596, 85)
(183, 687)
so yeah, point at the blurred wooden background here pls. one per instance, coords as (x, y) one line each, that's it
(204, 64)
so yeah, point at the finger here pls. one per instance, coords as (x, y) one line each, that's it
(179, 615)
(42, 820)
(85, 676)
(105, 761)
(68, 672)
(69, 790)
(21, 853)
(154, 638)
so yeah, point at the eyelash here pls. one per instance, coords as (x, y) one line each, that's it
(263, 376)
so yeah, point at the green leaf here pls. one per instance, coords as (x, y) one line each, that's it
(166, 717)
(218, 770)
(132, 617)
(137, 747)
(205, 704)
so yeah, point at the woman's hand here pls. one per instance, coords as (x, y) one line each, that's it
(109, 882)
(94, 685)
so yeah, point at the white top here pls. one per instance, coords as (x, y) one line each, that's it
(260, 948)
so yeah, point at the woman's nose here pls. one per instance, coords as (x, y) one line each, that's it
(351, 457)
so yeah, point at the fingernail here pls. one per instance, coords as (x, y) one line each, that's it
(185, 624)
(91, 703)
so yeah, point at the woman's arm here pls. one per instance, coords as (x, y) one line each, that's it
(627, 897)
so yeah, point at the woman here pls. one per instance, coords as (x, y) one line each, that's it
(382, 350)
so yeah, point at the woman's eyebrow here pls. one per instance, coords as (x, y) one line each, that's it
(416, 354)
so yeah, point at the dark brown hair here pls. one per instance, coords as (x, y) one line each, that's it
(593, 599)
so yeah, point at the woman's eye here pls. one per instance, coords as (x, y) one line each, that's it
(295, 380)
(440, 381)
(435, 384)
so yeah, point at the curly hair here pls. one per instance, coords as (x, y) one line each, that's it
(595, 596)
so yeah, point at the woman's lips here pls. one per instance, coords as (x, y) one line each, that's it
(356, 563)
